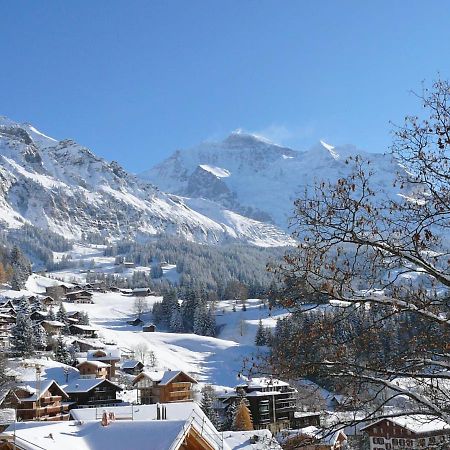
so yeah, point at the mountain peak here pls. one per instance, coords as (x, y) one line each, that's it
(241, 138)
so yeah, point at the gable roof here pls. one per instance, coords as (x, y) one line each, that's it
(163, 377)
(45, 385)
(98, 364)
(83, 385)
(130, 364)
(417, 423)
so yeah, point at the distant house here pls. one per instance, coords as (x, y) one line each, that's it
(313, 438)
(93, 369)
(128, 265)
(48, 301)
(132, 367)
(83, 330)
(81, 296)
(85, 345)
(38, 316)
(109, 356)
(38, 402)
(141, 292)
(304, 419)
(409, 431)
(149, 328)
(93, 392)
(135, 322)
(163, 387)
(52, 327)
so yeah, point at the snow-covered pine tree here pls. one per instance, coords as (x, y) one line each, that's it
(229, 417)
(24, 306)
(260, 338)
(22, 336)
(84, 318)
(176, 321)
(62, 354)
(200, 319)
(21, 268)
(39, 337)
(211, 326)
(51, 314)
(61, 315)
(207, 405)
(243, 418)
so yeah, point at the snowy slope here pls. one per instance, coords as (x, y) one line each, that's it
(64, 187)
(250, 175)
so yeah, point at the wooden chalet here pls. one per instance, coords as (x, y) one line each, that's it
(53, 327)
(163, 387)
(38, 316)
(141, 292)
(48, 301)
(132, 367)
(408, 431)
(83, 330)
(93, 369)
(80, 296)
(85, 345)
(93, 392)
(149, 328)
(109, 356)
(313, 438)
(38, 401)
(135, 322)
(304, 419)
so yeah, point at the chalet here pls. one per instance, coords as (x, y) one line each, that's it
(38, 316)
(163, 387)
(271, 402)
(81, 296)
(135, 322)
(93, 369)
(128, 265)
(149, 328)
(76, 315)
(83, 330)
(304, 419)
(6, 323)
(44, 401)
(58, 291)
(141, 292)
(86, 345)
(147, 427)
(52, 327)
(409, 431)
(132, 367)
(107, 355)
(313, 438)
(48, 301)
(93, 392)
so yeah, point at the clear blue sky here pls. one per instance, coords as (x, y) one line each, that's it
(135, 80)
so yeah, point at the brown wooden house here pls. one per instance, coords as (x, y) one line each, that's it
(81, 296)
(83, 330)
(52, 327)
(38, 401)
(149, 328)
(409, 431)
(313, 438)
(93, 369)
(163, 387)
(93, 392)
(132, 367)
(107, 355)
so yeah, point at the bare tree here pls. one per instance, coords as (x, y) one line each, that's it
(141, 352)
(140, 306)
(383, 263)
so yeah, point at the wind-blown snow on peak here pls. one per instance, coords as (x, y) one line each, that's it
(264, 178)
(64, 187)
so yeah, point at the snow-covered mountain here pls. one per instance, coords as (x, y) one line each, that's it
(255, 177)
(64, 187)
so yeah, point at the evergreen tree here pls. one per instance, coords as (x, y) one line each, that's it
(62, 354)
(22, 335)
(51, 314)
(21, 268)
(39, 337)
(229, 416)
(207, 405)
(84, 318)
(176, 321)
(243, 419)
(260, 338)
(61, 315)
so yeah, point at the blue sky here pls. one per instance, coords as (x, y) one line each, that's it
(136, 80)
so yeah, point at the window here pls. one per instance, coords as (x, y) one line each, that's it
(394, 441)
(401, 442)
(421, 442)
(409, 443)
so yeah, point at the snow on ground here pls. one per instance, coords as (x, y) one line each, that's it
(213, 360)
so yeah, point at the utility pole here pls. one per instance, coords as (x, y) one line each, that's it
(38, 390)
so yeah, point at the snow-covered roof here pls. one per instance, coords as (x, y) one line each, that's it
(86, 384)
(263, 382)
(54, 323)
(418, 423)
(108, 353)
(251, 440)
(130, 364)
(98, 364)
(164, 377)
(32, 388)
(312, 432)
(84, 327)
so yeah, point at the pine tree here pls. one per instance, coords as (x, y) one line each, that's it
(21, 268)
(61, 315)
(229, 417)
(51, 314)
(39, 337)
(23, 335)
(84, 318)
(62, 354)
(243, 419)
(260, 338)
(176, 321)
(207, 405)
(200, 320)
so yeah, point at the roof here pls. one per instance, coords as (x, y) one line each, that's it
(130, 364)
(31, 388)
(83, 327)
(54, 323)
(244, 440)
(163, 377)
(111, 353)
(99, 364)
(417, 423)
(319, 434)
(93, 436)
(141, 290)
(263, 382)
(86, 384)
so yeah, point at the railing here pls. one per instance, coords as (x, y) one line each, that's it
(204, 428)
